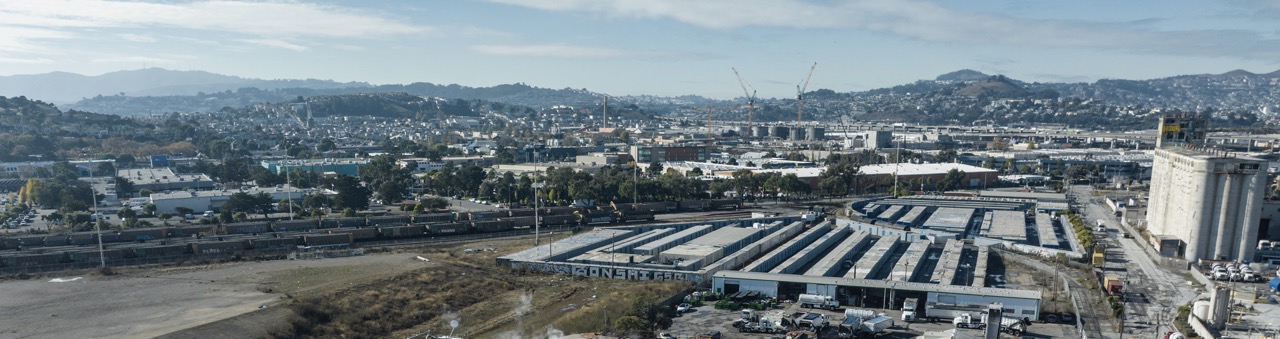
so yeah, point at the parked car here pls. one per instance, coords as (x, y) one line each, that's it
(684, 308)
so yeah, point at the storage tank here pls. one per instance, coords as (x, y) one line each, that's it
(1200, 309)
(1221, 300)
(780, 132)
(798, 134)
(817, 133)
(761, 131)
(744, 131)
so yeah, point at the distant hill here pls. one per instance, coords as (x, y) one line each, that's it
(62, 87)
(964, 75)
(996, 87)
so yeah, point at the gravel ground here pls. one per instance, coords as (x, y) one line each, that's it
(138, 303)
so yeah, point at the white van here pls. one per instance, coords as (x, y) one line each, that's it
(1102, 226)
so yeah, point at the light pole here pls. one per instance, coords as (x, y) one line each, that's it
(290, 193)
(96, 219)
(536, 222)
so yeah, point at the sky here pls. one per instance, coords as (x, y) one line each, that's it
(654, 47)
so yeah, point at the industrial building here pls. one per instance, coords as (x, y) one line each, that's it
(1020, 220)
(1210, 200)
(649, 154)
(200, 201)
(338, 166)
(856, 263)
(164, 179)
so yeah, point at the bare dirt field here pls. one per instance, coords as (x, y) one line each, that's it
(389, 294)
(142, 302)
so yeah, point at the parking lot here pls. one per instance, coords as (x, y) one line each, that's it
(707, 318)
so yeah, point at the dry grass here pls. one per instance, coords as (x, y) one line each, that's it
(490, 301)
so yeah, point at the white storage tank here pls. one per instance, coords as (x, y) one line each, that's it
(1200, 309)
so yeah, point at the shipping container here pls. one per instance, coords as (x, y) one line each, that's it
(433, 218)
(9, 243)
(335, 239)
(561, 210)
(357, 233)
(401, 231)
(492, 225)
(449, 228)
(388, 220)
(246, 228)
(218, 247)
(143, 234)
(294, 225)
(636, 216)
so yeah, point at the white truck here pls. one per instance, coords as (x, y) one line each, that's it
(909, 309)
(817, 301)
(815, 321)
(1008, 325)
(858, 326)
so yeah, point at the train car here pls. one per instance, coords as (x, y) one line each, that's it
(635, 216)
(369, 233)
(522, 212)
(342, 222)
(408, 231)
(92, 255)
(562, 210)
(9, 243)
(695, 205)
(561, 219)
(726, 204)
(247, 228)
(520, 221)
(598, 217)
(56, 240)
(192, 231)
(90, 238)
(651, 207)
(219, 247)
(449, 228)
(486, 215)
(30, 241)
(24, 260)
(143, 234)
(335, 239)
(387, 220)
(492, 225)
(160, 251)
(278, 242)
(433, 218)
(303, 225)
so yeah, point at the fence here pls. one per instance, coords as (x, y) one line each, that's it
(282, 253)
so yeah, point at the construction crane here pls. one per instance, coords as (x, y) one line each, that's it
(711, 108)
(800, 88)
(751, 100)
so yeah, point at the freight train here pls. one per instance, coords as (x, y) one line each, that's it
(197, 240)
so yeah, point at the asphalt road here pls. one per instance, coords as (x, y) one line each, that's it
(1152, 293)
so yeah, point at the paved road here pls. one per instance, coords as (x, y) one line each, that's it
(1153, 293)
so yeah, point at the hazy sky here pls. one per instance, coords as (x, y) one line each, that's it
(660, 47)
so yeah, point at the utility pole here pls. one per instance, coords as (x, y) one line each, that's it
(97, 219)
(536, 221)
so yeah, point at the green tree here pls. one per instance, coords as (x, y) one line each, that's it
(954, 179)
(351, 194)
(124, 187)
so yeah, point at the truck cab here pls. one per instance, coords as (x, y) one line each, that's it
(909, 310)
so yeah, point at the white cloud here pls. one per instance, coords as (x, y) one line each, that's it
(133, 59)
(925, 21)
(276, 43)
(555, 51)
(25, 61)
(137, 37)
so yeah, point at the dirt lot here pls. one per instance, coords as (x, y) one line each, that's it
(389, 294)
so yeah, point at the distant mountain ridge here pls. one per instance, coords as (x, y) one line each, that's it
(63, 87)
